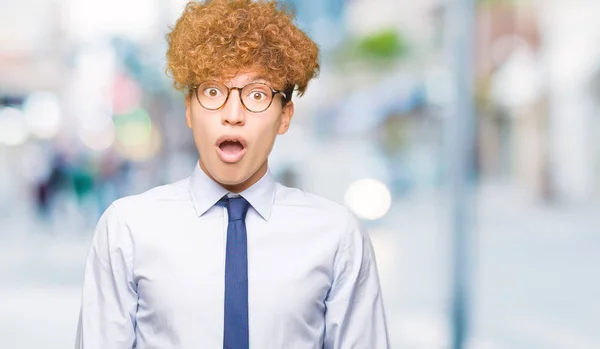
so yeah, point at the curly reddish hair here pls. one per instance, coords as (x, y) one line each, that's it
(219, 38)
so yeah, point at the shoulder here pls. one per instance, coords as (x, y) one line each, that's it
(313, 204)
(152, 199)
(353, 244)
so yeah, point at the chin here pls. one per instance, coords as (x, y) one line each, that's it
(231, 181)
(233, 175)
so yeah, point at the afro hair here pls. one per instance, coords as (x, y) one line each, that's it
(219, 38)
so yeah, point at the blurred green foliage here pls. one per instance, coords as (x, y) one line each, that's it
(382, 45)
(379, 51)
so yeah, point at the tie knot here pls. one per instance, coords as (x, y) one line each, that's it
(237, 207)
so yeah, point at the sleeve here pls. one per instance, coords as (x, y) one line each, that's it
(355, 317)
(109, 297)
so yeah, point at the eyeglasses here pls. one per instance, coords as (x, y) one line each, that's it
(256, 97)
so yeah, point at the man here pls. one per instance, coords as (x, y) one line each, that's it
(228, 258)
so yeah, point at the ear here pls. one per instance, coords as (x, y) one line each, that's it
(188, 110)
(286, 117)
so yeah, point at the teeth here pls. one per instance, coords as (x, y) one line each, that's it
(231, 140)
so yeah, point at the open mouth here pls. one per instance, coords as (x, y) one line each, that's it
(231, 149)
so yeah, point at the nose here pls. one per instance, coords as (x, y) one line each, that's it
(233, 112)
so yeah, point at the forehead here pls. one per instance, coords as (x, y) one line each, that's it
(244, 77)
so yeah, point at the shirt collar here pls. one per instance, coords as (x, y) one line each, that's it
(205, 192)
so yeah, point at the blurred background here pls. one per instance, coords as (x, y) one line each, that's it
(87, 115)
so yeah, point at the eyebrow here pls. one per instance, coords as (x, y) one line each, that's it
(258, 78)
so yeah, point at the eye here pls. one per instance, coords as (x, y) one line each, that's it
(258, 96)
(212, 92)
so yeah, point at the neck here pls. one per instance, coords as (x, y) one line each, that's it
(240, 187)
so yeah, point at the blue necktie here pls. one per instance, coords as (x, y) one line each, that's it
(236, 276)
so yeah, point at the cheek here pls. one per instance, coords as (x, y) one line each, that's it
(267, 135)
(203, 131)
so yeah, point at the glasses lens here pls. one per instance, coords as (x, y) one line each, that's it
(212, 94)
(257, 97)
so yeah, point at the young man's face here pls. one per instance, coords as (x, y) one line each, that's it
(236, 165)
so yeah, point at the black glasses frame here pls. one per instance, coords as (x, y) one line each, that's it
(239, 89)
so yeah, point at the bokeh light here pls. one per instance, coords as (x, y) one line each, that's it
(368, 198)
(98, 140)
(137, 139)
(43, 114)
(13, 128)
(95, 120)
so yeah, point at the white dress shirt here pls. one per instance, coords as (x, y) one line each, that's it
(155, 272)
